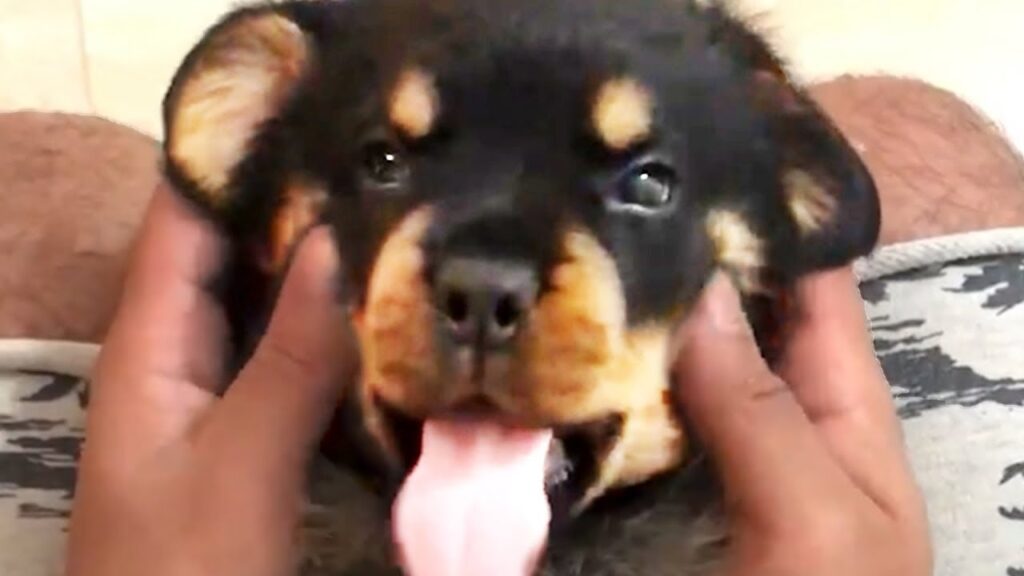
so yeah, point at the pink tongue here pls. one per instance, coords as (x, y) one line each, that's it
(475, 502)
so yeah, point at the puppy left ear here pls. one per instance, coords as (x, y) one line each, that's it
(231, 83)
(828, 193)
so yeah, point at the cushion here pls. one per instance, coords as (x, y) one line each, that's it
(63, 262)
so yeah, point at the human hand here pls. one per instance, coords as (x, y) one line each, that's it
(811, 458)
(174, 479)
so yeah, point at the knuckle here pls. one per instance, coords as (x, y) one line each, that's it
(768, 388)
(763, 391)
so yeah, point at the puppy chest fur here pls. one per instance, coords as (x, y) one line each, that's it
(527, 197)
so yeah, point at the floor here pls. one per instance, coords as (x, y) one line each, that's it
(115, 57)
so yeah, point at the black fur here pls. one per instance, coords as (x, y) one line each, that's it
(512, 161)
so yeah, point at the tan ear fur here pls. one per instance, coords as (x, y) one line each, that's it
(234, 81)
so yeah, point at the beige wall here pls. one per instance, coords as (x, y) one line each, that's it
(115, 57)
(109, 57)
(972, 47)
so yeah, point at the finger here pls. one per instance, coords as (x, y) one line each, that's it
(165, 342)
(167, 319)
(832, 369)
(830, 360)
(767, 451)
(284, 397)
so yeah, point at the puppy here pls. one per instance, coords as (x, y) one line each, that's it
(527, 196)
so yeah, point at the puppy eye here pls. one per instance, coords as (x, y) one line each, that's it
(646, 188)
(383, 164)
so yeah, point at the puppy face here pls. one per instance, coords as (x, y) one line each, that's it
(527, 196)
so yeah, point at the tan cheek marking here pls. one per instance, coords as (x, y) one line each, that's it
(414, 104)
(622, 113)
(581, 364)
(737, 248)
(395, 330)
(809, 202)
(303, 204)
(376, 424)
(651, 441)
(575, 335)
(239, 83)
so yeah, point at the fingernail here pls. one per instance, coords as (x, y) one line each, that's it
(722, 306)
(322, 247)
(319, 258)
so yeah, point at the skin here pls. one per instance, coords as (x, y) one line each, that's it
(174, 480)
(812, 460)
(816, 479)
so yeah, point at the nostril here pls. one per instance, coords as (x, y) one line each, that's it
(457, 307)
(507, 312)
(480, 302)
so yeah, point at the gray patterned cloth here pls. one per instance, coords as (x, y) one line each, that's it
(950, 338)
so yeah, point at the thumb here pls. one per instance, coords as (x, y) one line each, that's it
(282, 401)
(755, 431)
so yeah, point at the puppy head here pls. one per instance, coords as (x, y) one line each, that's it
(527, 196)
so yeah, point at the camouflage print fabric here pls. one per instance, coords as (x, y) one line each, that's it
(950, 337)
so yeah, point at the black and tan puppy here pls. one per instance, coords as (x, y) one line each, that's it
(527, 196)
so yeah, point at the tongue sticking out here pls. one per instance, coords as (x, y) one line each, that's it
(475, 502)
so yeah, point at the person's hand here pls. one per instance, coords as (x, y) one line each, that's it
(173, 479)
(811, 458)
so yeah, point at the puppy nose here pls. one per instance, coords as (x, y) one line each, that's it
(484, 302)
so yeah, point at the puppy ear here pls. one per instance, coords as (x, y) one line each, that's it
(825, 211)
(828, 195)
(231, 83)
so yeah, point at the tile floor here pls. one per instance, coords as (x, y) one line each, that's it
(115, 57)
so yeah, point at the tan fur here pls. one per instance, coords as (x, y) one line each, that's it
(396, 326)
(623, 113)
(414, 104)
(570, 361)
(576, 362)
(302, 205)
(810, 204)
(581, 363)
(737, 248)
(241, 80)
(651, 441)
(574, 340)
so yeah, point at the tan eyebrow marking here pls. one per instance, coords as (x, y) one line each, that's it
(414, 104)
(623, 113)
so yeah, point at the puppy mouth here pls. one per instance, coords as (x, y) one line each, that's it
(573, 461)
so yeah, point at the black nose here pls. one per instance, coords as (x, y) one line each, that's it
(484, 302)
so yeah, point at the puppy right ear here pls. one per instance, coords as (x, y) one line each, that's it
(232, 82)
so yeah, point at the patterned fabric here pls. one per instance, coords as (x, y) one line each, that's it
(41, 426)
(950, 339)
